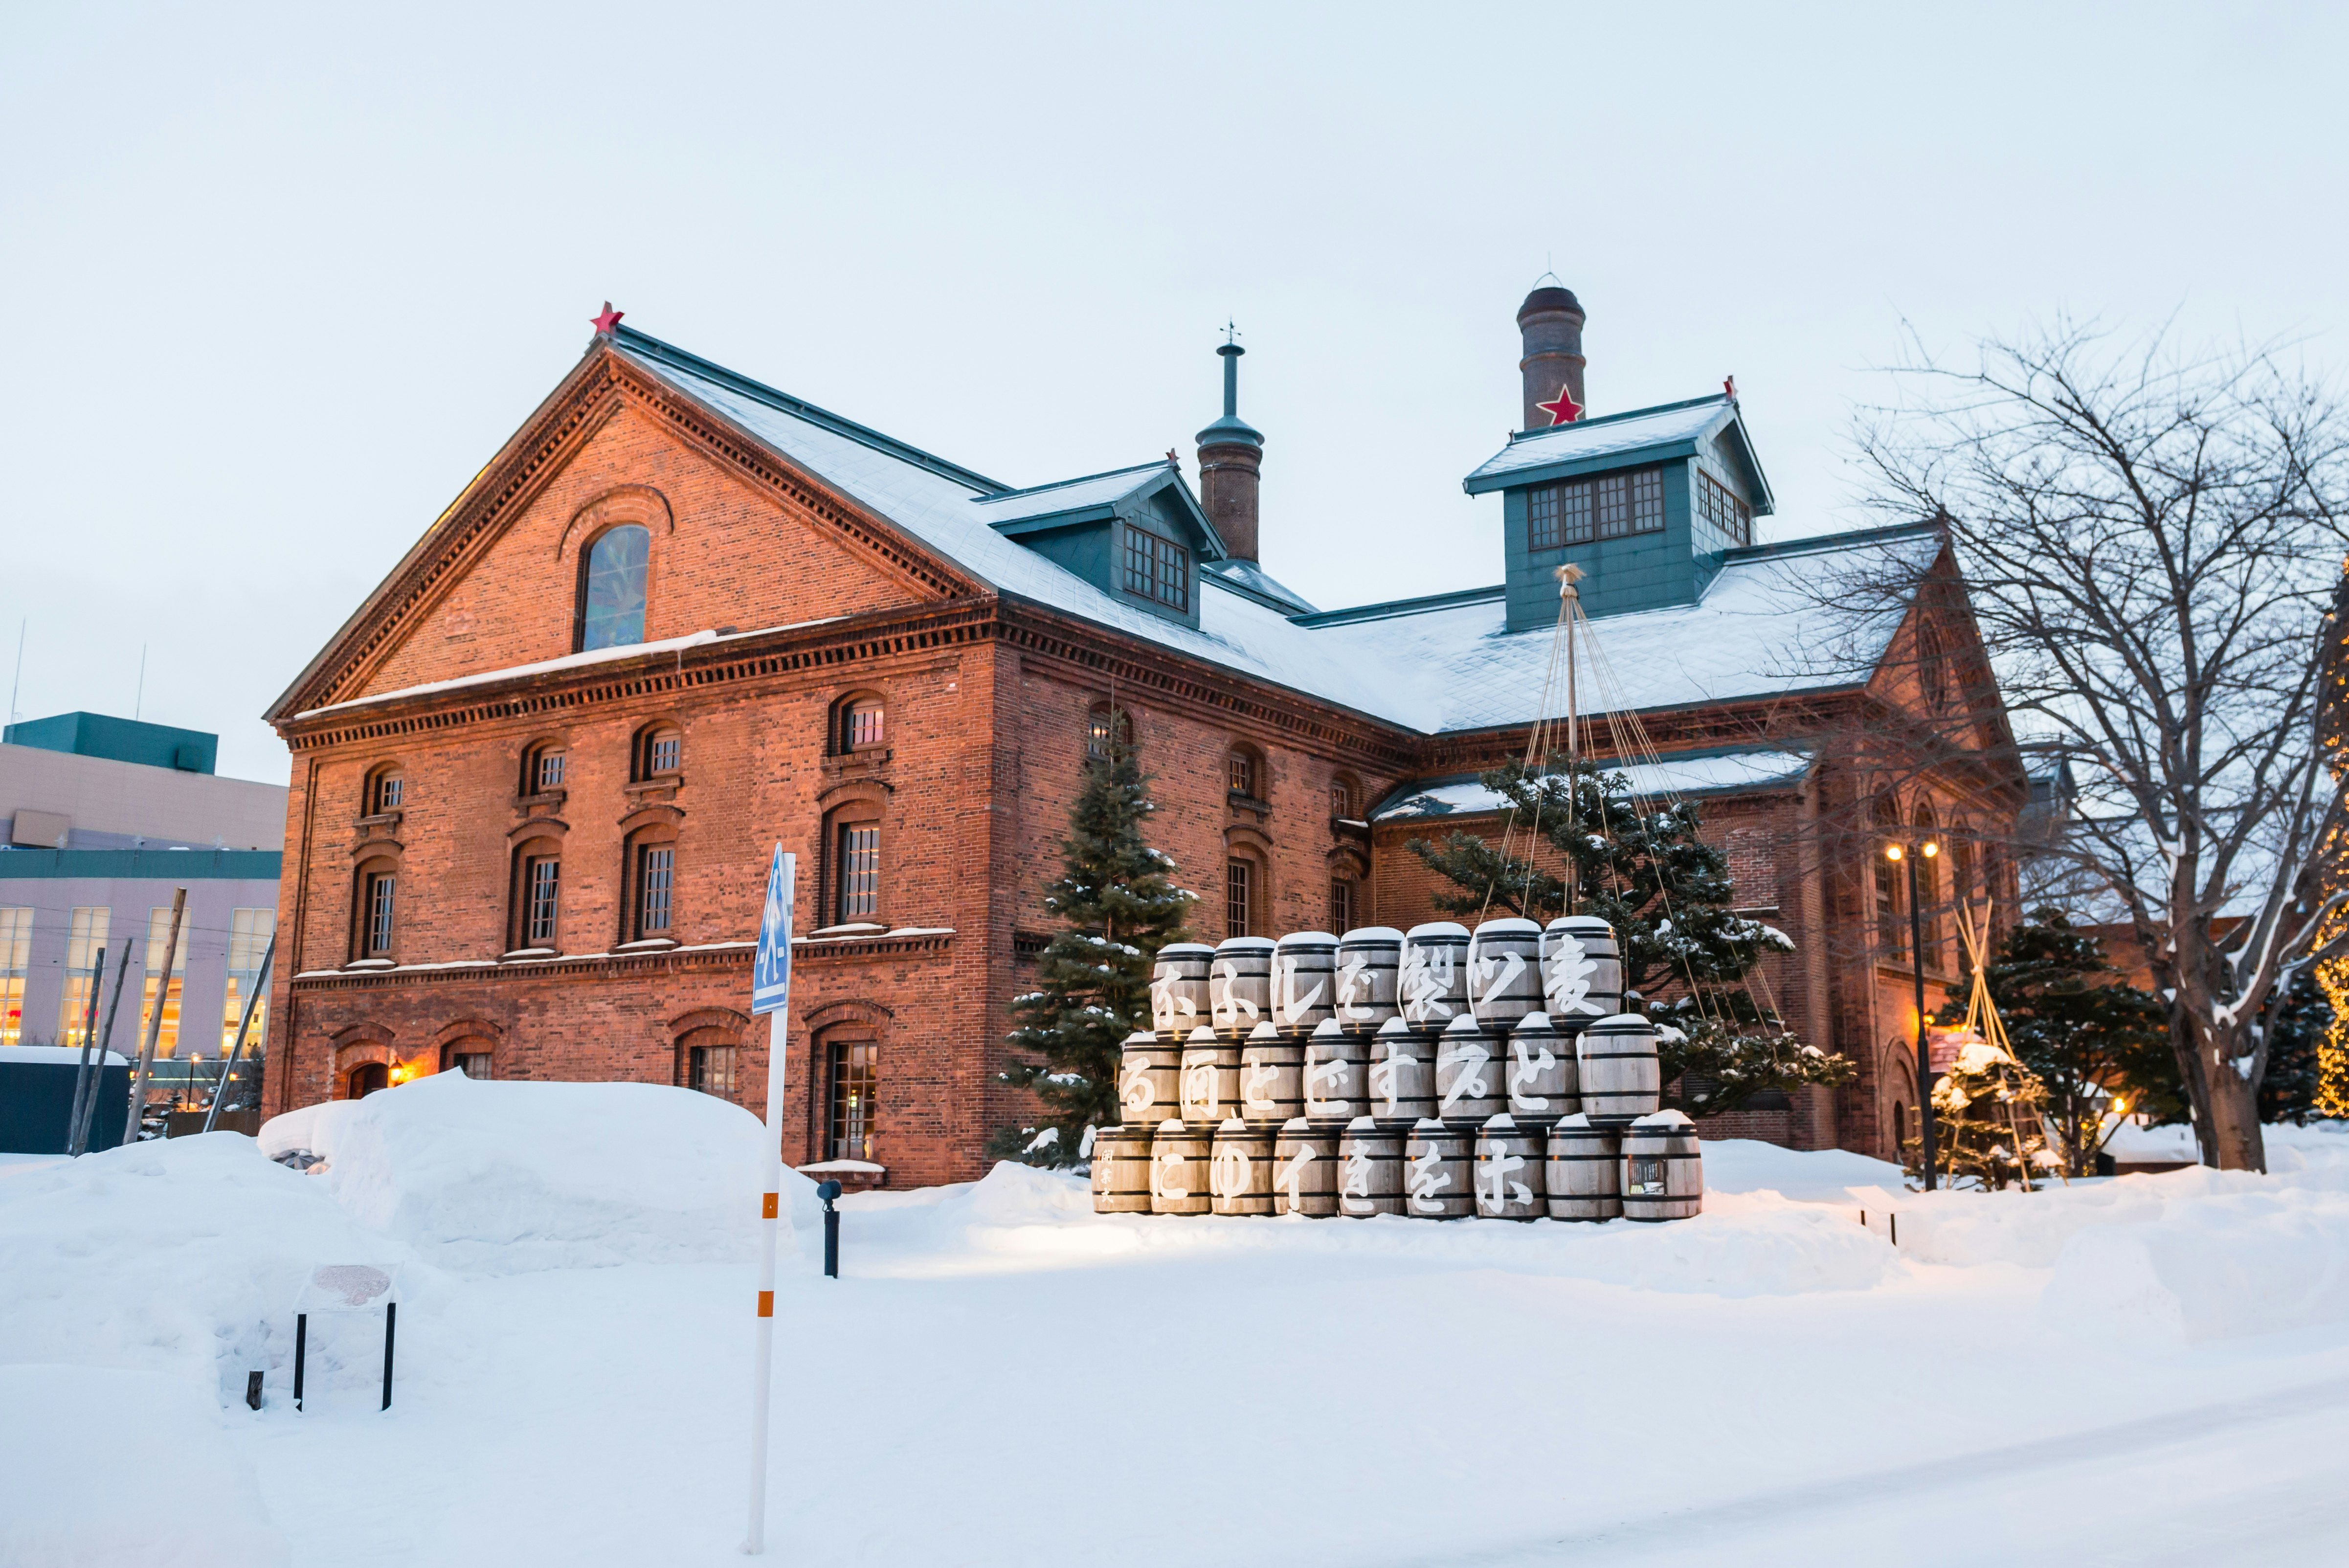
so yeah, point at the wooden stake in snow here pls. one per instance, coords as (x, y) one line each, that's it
(771, 992)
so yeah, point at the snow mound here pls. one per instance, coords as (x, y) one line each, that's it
(180, 1256)
(84, 1457)
(2207, 1267)
(492, 1177)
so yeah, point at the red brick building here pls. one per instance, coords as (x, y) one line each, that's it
(681, 616)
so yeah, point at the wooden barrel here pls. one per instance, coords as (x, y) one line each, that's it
(1180, 1155)
(1337, 1076)
(1616, 1064)
(1542, 1081)
(1470, 1081)
(1510, 1183)
(1369, 958)
(1149, 1080)
(1272, 1078)
(1401, 1078)
(1505, 972)
(1304, 981)
(1437, 1172)
(1210, 1088)
(1431, 987)
(1584, 1171)
(1178, 989)
(1121, 1170)
(1582, 971)
(1304, 1172)
(1370, 1170)
(1239, 986)
(1664, 1169)
(1239, 1173)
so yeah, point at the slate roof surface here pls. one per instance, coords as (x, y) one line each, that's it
(1449, 666)
(1070, 495)
(1716, 771)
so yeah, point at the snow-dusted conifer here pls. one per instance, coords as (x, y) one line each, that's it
(1687, 954)
(1092, 980)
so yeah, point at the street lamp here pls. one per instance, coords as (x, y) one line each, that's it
(1911, 854)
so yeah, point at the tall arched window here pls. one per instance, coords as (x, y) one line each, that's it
(1891, 932)
(1932, 667)
(1928, 887)
(1100, 724)
(612, 588)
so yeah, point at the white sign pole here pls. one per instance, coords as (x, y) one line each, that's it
(770, 992)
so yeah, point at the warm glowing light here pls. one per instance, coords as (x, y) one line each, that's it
(1892, 852)
(2120, 1108)
(402, 1072)
(1931, 849)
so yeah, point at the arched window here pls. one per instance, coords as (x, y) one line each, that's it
(537, 895)
(651, 881)
(1098, 728)
(612, 575)
(375, 927)
(1891, 935)
(706, 1062)
(659, 749)
(1245, 772)
(853, 871)
(1345, 904)
(1929, 887)
(851, 1080)
(1932, 667)
(474, 1057)
(1345, 796)
(1244, 895)
(386, 788)
(544, 765)
(859, 723)
(367, 1078)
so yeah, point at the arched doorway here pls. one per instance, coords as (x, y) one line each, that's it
(367, 1077)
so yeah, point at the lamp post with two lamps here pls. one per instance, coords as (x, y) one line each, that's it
(1909, 853)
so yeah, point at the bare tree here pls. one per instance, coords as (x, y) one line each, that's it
(2149, 540)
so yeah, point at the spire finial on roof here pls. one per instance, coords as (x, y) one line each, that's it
(1231, 333)
(605, 322)
(1729, 387)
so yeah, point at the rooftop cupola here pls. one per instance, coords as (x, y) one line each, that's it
(1550, 323)
(1231, 452)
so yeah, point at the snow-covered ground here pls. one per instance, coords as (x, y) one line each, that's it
(2153, 1369)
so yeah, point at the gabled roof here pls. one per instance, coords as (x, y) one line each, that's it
(1247, 577)
(1614, 441)
(1097, 497)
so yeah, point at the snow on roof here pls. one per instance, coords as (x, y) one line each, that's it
(1451, 666)
(1606, 436)
(1253, 579)
(1071, 494)
(1708, 772)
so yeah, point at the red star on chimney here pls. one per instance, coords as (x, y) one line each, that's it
(1564, 410)
(609, 319)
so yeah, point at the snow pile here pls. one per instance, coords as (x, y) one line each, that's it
(102, 1467)
(502, 1178)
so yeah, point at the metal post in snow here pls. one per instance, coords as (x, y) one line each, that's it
(155, 1020)
(105, 1039)
(81, 1067)
(1925, 1128)
(771, 992)
(228, 1068)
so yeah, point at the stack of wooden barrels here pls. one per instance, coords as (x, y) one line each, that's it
(1437, 1073)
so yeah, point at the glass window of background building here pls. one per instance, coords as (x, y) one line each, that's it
(159, 933)
(15, 958)
(855, 1073)
(248, 938)
(85, 939)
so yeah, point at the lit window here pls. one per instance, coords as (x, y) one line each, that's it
(381, 889)
(1243, 774)
(655, 864)
(543, 876)
(1157, 569)
(855, 1076)
(863, 727)
(612, 589)
(159, 939)
(16, 961)
(1237, 876)
(85, 939)
(859, 893)
(1097, 733)
(248, 938)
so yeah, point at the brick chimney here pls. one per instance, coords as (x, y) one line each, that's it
(1551, 322)
(1231, 451)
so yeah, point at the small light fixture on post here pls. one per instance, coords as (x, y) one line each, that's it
(1911, 854)
(828, 1191)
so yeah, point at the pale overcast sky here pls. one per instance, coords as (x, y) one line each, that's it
(278, 283)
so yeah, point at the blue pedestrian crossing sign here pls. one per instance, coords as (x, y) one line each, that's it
(770, 971)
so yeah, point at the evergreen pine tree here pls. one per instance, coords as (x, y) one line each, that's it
(1687, 955)
(2082, 1031)
(2299, 1020)
(1092, 980)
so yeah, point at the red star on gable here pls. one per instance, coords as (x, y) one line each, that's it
(609, 319)
(1564, 410)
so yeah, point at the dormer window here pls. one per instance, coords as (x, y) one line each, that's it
(1610, 506)
(1719, 505)
(1157, 569)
